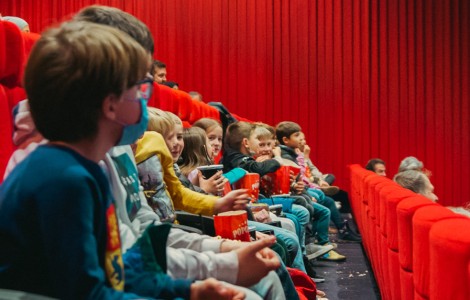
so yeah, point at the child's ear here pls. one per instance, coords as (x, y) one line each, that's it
(109, 107)
(245, 143)
(285, 140)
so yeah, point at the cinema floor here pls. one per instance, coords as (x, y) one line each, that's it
(351, 279)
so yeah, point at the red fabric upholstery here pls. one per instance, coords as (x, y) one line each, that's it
(5, 132)
(450, 259)
(391, 227)
(423, 220)
(405, 212)
(12, 55)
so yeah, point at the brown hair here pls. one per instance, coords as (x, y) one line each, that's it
(372, 162)
(118, 19)
(72, 69)
(194, 152)
(286, 129)
(235, 134)
(207, 124)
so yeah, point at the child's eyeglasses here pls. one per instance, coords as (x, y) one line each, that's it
(145, 88)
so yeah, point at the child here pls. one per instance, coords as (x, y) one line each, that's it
(81, 258)
(198, 152)
(214, 132)
(240, 145)
(150, 145)
(289, 137)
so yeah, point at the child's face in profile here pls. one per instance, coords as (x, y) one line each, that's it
(293, 141)
(175, 143)
(215, 139)
(302, 141)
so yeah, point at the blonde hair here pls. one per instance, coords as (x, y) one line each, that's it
(261, 132)
(175, 118)
(160, 121)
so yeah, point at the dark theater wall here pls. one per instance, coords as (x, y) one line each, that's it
(363, 78)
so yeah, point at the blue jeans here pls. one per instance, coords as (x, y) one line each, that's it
(289, 238)
(321, 222)
(303, 216)
(330, 204)
(270, 286)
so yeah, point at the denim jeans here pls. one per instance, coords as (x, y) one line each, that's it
(330, 204)
(321, 222)
(303, 216)
(270, 286)
(289, 238)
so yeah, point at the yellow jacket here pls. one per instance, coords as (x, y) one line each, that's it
(152, 143)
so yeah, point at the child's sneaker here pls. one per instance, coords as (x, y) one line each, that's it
(333, 256)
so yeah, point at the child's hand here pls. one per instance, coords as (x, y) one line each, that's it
(255, 261)
(214, 289)
(298, 187)
(292, 177)
(277, 151)
(306, 151)
(263, 158)
(213, 185)
(235, 200)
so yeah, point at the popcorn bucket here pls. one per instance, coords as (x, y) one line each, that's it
(227, 189)
(295, 170)
(278, 182)
(250, 182)
(232, 225)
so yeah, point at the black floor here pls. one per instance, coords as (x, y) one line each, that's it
(352, 279)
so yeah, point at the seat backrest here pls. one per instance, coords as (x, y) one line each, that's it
(450, 259)
(405, 212)
(423, 220)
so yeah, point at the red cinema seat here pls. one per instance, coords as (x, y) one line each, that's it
(423, 220)
(405, 211)
(450, 259)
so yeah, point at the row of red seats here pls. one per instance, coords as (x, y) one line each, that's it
(418, 249)
(181, 104)
(14, 50)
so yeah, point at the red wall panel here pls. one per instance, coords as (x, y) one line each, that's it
(364, 79)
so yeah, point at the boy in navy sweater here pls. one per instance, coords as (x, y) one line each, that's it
(58, 225)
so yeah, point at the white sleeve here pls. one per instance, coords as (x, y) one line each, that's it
(199, 243)
(185, 263)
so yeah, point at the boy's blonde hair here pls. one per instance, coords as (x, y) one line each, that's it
(264, 131)
(160, 121)
(175, 118)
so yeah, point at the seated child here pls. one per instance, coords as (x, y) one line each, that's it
(240, 145)
(289, 136)
(198, 152)
(214, 132)
(80, 258)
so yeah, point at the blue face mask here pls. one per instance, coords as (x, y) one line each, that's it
(133, 132)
